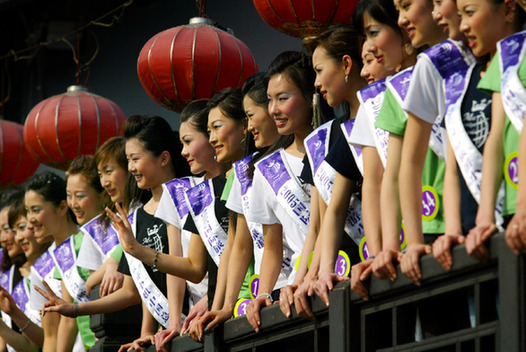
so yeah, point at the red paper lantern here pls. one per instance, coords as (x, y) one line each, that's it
(305, 18)
(191, 62)
(62, 127)
(16, 163)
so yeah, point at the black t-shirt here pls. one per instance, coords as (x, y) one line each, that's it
(336, 131)
(340, 157)
(151, 232)
(476, 118)
(221, 213)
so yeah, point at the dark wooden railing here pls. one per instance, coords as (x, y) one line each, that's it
(473, 307)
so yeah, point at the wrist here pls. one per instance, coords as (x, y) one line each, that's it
(265, 295)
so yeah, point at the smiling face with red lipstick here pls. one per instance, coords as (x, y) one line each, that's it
(476, 15)
(415, 16)
(383, 42)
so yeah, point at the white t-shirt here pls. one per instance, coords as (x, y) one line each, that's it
(425, 97)
(234, 203)
(267, 211)
(362, 134)
(167, 212)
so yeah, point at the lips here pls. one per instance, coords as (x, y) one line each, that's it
(444, 27)
(379, 59)
(370, 80)
(472, 41)
(256, 135)
(280, 123)
(218, 149)
(111, 192)
(410, 32)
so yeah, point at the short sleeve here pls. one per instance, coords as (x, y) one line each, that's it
(425, 96)
(341, 159)
(490, 82)
(262, 210)
(228, 185)
(391, 117)
(89, 257)
(189, 225)
(234, 199)
(166, 211)
(362, 134)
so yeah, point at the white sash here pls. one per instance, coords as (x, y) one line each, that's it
(511, 52)
(106, 239)
(154, 299)
(6, 281)
(65, 260)
(21, 296)
(201, 200)
(176, 190)
(468, 157)
(399, 85)
(447, 58)
(44, 269)
(256, 229)
(286, 187)
(347, 127)
(371, 98)
(317, 148)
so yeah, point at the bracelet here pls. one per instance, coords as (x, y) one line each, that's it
(75, 310)
(371, 257)
(25, 326)
(266, 295)
(154, 265)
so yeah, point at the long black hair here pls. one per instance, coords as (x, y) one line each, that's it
(157, 136)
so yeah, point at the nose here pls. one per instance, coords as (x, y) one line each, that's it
(364, 73)
(18, 236)
(184, 152)
(131, 165)
(273, 109)
(402, 20)
(317, 82)
(464, 26)
(250, 126)
(212, 138)
(104, 181)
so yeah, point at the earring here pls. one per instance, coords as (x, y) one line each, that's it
(409, 49)
(346, 78)
(163, 163)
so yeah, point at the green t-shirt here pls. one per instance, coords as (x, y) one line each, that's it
(245, 289)
(83, 321)
(491, 83)
(393, 119)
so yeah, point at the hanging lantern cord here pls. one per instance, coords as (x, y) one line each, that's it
(76, 54)
(201, 5)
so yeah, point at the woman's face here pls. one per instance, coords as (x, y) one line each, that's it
(83, 200)
(415, 16)
(25, 238)
(7, 235)
(483, 24)
(383, 42)
(42, 215)
(373, 71)
(113, 178)
(226, 136)
(143, 165)
(260, 123)
(445, 14)
(197, 151)
(288, 107)
(330, 76)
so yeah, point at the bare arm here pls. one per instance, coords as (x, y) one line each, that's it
(67, 328)
(16, 340)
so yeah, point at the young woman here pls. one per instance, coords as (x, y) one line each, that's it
(248, 242)
(153, 160)
(390, 46)
(285, 224)
(226, 123)
(415, 16)
(333, 169)
(173, 208)
(501, 150)
(48, 213)
(17, 305)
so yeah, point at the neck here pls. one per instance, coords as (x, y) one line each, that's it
(66, 229)
(219, 168)
(297, 147)
(352, 98)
